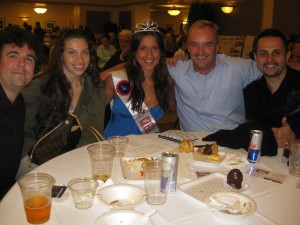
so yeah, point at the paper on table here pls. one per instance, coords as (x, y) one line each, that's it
(234, 159)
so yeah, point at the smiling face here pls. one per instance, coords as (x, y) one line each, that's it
(75, 58)
(271, 57)
(148, 53)
(202, 45)
(16, 67)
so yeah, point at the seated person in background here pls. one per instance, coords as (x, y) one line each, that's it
(120, 56)
(266, 98)
(144, 89)
(171, 46)
(209, 86)
(105, 51)
(21, 56)
(181, 44)
(294, 60)
(71, 88)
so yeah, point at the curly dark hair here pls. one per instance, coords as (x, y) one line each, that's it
(16, 35)
(56, 94)
(136, 75)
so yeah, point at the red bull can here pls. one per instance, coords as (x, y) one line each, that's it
(171, 158)
(254, 148)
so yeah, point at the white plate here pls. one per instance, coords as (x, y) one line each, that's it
(132, 167)
(121, 217)
(125, 196)
(204, 160)
(202, 187)
(244, 205)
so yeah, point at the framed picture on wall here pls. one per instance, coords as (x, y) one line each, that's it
(2, 23)
(49, 25)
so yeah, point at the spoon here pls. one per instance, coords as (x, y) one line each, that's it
(145, 216)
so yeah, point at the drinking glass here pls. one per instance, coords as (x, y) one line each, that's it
(36, 191)
(101, 160)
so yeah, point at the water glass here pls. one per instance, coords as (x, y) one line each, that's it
(294, 158)
(101, 159)
(120, 143)
(83, 190)
(157, 175)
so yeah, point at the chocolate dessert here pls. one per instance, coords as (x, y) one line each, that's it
(235, 178)
(210, 149)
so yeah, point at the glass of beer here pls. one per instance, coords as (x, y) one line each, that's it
(36, 191)
(101, 159)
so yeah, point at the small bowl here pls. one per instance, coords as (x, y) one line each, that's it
(121, 216)
(219, 200)
(124, 196)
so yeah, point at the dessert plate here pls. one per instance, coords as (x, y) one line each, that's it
(125, 196)
(231, 206)
(202, 187)
(207, 160)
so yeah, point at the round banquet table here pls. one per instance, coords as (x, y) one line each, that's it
(276, 203)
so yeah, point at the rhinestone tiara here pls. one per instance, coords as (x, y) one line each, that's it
(146, 25)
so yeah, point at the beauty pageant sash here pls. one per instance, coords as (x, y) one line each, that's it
(145, 121)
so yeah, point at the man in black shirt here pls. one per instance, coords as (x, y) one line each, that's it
(266, 98)
(21, 54)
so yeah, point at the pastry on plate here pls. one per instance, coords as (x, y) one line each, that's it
(186, 146)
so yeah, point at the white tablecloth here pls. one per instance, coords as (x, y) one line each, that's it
(276, 203)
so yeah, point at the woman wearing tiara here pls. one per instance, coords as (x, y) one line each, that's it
(143, 90)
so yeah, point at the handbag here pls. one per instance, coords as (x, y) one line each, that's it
(54, 142)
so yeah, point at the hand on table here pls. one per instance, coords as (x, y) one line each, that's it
(283, 134)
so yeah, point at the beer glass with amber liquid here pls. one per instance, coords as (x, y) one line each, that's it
(36, 191)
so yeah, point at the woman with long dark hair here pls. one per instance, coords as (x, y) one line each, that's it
(143, 90)
(70, 87)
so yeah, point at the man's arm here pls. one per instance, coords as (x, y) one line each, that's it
(104, 74)
(172, 100)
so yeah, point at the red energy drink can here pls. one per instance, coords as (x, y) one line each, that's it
(254, 148)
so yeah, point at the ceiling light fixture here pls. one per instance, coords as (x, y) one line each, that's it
(40, 8)
(227, 9)
(174, 11)
(24, 18)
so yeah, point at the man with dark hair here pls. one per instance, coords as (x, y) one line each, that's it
(21, 55)
(266, 100)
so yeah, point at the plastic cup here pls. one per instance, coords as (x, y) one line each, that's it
(294, 158)
(120, 143)
(83, 190)
(36, 191)
(101, 160)
(157, 175)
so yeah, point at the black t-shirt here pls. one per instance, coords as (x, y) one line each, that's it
(267, 108)
(12, 118)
